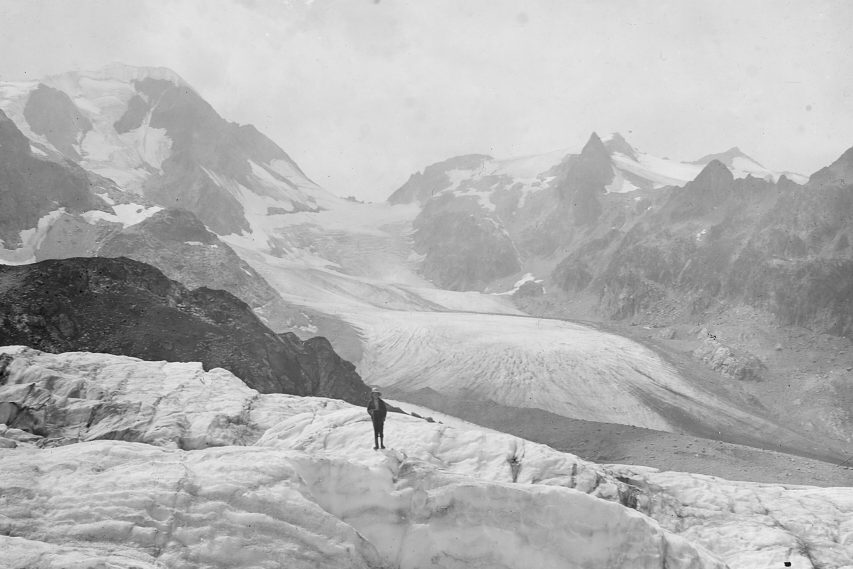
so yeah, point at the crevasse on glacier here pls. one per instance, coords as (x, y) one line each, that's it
(155, 464)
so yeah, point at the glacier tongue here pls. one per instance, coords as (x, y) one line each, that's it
(278, 480)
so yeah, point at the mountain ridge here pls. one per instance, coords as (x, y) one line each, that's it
(125, 307)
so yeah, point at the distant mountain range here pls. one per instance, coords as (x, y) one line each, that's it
(637, 232)
(627, 169)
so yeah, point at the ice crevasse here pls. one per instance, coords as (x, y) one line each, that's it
(155, 464)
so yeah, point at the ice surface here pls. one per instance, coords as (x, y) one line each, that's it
(547, 364)
(278, 480)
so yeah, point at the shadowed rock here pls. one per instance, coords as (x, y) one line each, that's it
(124, 307)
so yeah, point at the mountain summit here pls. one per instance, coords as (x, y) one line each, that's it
(150, 132)
(617, 143)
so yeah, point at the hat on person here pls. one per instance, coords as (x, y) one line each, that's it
(376, 391)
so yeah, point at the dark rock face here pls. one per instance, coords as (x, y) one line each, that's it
(463, 248)
(51, 113)
(617, 143)
(31, 187)
(530, 289)
(421, 186)
(711, 189)
(137, 109)
(585, 180)
(839, 173)
(124, 307)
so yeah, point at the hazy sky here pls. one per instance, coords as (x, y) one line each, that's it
(363, 93)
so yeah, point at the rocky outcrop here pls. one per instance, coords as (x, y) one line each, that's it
(584, 180)
(839, 173)
(710, 190)
(463, 247)
(724, 359)
(31, 187)
(120, 306)
(52, 114)
(617, 143)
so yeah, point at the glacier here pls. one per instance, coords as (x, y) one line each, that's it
(130, 463)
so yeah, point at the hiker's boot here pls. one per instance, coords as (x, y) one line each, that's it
(381, 441)
(375, 443)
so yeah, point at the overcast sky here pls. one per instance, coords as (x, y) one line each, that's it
(361, 93)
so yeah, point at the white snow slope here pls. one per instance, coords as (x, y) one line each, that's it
(209, 473)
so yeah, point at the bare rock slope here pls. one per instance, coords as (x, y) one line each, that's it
(125, 307)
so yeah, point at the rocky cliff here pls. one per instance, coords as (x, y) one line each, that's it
(32, 186)
(121, 306)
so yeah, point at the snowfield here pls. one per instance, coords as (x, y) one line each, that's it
(155, 464)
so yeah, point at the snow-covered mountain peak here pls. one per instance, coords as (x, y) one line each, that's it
(594, 147)
(737, 161)
(150, 132)
(742, 165)
(617, 143)
(726, 157)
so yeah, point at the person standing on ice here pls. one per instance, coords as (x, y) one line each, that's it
(377, 410)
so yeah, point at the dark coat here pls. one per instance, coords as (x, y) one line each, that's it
(377, 409)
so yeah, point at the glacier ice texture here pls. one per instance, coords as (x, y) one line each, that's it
(119, 462)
